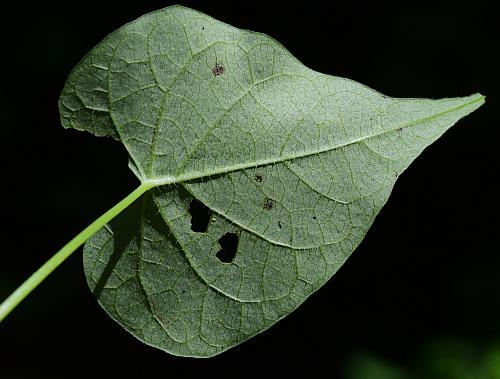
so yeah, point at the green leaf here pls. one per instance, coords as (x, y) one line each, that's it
(294, 166)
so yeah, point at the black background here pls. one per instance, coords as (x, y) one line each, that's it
(428, 268)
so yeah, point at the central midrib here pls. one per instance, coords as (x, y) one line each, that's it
(241, 166)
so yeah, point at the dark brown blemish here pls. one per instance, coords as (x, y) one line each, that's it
(218, 69)
(279, 225)
(229, 245)
(399, 129)
(268, 204)
(258, 178)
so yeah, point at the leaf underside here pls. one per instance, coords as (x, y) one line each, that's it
(293, 165)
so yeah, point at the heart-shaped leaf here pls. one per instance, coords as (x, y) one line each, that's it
(289, 166)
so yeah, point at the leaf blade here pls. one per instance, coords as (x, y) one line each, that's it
(293, 163)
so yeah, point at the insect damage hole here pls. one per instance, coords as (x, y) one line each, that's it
(200, 216)
(229, 245)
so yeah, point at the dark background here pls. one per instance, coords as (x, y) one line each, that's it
(421, 290)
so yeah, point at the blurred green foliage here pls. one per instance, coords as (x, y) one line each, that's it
(444, 358)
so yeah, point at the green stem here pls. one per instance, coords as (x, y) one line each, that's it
(34, 280)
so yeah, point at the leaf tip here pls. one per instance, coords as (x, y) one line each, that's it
(477, 99)
(480, 98)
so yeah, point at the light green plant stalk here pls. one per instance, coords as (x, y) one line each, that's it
(46, 269)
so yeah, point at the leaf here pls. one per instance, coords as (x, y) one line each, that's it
(293, 165)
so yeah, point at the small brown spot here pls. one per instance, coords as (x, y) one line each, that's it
(268, 204)
(279, 225)
(218, 69)
(202, 28)
(258, 178)
(399, 129)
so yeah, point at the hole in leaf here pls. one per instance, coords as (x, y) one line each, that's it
(200, 216)
(229, 244)
(258, 178)
(279, 225)
(314, 217)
